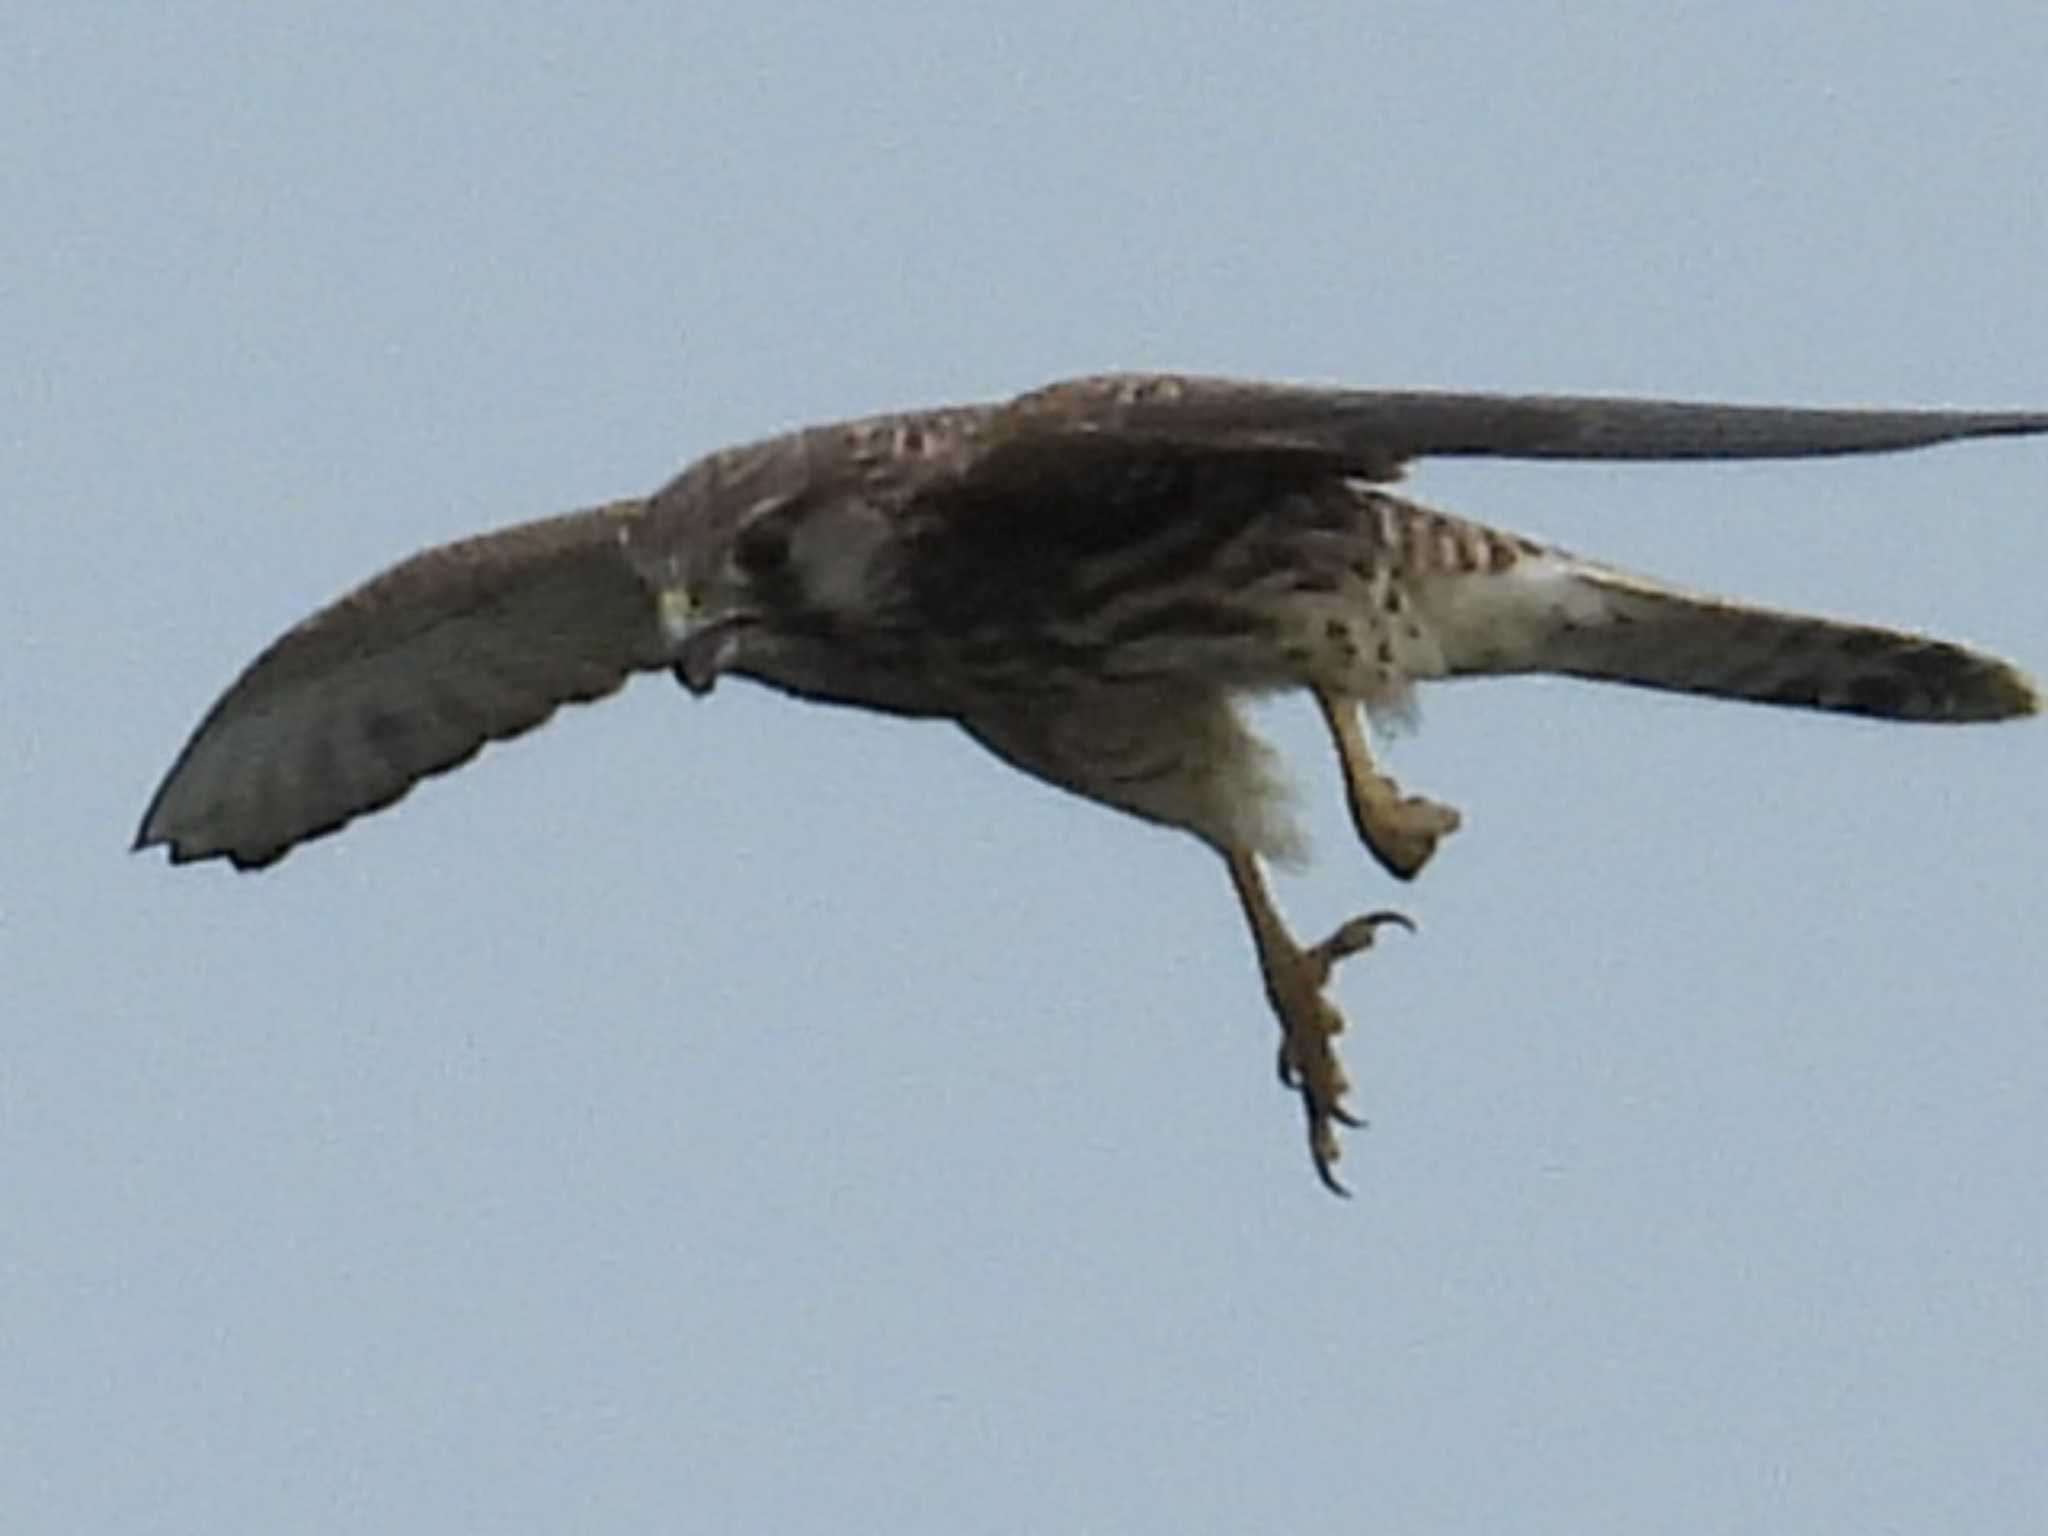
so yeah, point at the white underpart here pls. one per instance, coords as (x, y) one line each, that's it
(1266, 797)
(1506, 621)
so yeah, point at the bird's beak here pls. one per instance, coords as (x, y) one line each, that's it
(704, 645)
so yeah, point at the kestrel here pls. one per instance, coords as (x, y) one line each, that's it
(1089, 579)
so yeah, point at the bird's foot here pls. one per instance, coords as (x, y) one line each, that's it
(1401, 830)
(1309, 1025)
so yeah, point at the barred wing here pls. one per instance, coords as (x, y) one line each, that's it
(408, 675)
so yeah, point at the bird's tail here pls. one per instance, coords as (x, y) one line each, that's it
(1550, 612)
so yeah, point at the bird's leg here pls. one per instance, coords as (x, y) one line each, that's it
(1309, 1021)
(1401, 830)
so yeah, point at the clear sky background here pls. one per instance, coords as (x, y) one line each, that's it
(741, 1116)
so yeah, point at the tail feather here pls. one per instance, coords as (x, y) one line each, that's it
(1553, 613)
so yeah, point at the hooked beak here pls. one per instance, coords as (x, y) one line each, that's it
(704, 645)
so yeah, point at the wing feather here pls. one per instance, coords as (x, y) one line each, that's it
(1376, 432)
(409, 675)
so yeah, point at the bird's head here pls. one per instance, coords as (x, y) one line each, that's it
(761, 562)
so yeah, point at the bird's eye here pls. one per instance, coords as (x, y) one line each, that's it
(762, 547)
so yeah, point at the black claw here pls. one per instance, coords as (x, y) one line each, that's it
(1319, 1120)
(1328, 1175)
(1284, 1069)
(1354, 936)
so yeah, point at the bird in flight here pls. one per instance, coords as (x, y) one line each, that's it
(1089, 579)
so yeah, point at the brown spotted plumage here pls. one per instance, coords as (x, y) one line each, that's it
(1088, 579)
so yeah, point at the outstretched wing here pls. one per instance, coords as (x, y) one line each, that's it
(1374, 433)
(408, 675)
(1085, 487)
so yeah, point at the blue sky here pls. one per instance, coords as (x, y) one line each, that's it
(735, 1115)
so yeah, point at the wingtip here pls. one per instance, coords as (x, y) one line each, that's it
(177, 853)
(150, 831)
(1999, 691)
(2025, 695)
(146, 835)
(148, 839)
(153, 834)
(179, 848)
(2023, 424)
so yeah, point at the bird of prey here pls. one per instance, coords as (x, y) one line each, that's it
(1088, 578)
